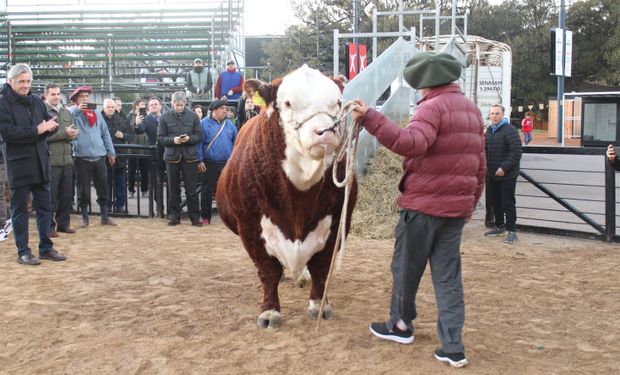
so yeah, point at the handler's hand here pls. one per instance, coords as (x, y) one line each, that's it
(202, 168)
(500, 172)
(111, 160)
(359, 111)
(611, 153)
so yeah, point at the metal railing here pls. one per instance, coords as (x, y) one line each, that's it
(567, 191)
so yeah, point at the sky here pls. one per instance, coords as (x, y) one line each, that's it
(268, 17)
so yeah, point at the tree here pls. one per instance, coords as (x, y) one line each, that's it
(596, 42)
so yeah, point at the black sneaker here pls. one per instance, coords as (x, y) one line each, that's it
(382, 331)
(496, 232)
(453, 359)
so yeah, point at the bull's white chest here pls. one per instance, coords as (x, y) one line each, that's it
(294, 255)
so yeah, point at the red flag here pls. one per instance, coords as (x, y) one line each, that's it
(352, 55)
(363, 60)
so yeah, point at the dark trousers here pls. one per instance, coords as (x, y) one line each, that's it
(97, 171)
(209, 182)
(188, 173)
(62, 197)
(502, 194)
(142, 167)
(422, 238)
(41, 204)
(116, 187)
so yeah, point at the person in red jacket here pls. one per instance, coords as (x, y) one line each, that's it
(443, 177)
(527, 125)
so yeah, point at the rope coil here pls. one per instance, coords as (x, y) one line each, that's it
(348, 149)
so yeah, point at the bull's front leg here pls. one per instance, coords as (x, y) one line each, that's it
(319, 268)
(269, 272)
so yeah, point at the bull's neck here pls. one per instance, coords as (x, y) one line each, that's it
(302, 170)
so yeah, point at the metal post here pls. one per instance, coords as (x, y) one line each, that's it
(400, 16)
(110, 76)
(336, 52)
(453, 17)
(610, 201)
(437, 26)
(316, 17)
(374, 30)
(560, 96)
(356, 29)
(10, 42)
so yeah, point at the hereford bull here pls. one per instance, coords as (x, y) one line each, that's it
(276, 191)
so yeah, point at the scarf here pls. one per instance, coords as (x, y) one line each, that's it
(91, 117)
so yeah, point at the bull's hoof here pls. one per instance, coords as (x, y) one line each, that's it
(315, 306)
(269, 319)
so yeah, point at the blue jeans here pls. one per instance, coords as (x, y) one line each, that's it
(527, 137)
(116, 188)
(420, 239)
(41, 204)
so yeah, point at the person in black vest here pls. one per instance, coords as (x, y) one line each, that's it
(503, 151)
(24, 126)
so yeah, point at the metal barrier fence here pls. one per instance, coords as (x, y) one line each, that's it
(568, 192)
(145, 203)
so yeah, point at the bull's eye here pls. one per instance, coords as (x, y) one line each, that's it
(287, 104)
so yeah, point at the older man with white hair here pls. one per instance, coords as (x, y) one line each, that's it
(24, 126)
(121, 133)
(179, 132)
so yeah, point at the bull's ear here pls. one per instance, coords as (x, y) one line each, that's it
(269, 91)
(340, 81)
(252, 84)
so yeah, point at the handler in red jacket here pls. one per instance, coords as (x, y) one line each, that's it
(443, 177)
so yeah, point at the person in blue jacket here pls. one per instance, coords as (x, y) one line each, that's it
(213, 153)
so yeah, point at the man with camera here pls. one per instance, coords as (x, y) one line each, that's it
(199, 81)
(62, 161)
(179, 132)
(93, 152)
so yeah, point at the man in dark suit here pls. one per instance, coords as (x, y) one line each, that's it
(24, 127)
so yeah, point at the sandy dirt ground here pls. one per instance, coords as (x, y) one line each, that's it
(144, 298)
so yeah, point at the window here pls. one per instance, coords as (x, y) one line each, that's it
(600, 121)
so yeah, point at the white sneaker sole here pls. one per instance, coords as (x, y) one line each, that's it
(446, 360)
(400, 340)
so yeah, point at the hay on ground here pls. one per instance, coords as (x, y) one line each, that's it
(376, 212)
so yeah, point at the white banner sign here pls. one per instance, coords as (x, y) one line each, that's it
(568, 56)
(559, 51)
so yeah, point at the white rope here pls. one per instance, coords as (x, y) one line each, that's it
(348, 148)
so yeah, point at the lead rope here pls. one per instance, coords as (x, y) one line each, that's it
(347, 148)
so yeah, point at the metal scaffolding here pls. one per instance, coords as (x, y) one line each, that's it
(133, 50)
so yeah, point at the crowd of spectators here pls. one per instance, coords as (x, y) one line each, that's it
(73, 145)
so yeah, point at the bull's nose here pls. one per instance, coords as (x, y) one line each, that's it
(322, 131)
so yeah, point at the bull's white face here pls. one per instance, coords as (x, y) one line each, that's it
(309, 104)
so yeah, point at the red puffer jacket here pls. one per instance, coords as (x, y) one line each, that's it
(443, 146)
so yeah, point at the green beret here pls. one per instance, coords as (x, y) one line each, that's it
(430, 69)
